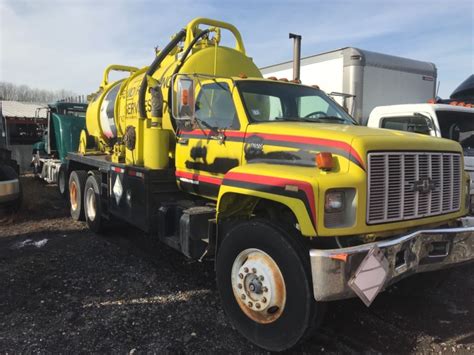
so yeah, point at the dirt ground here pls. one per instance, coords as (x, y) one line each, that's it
(64, 289)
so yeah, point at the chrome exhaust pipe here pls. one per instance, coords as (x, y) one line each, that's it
(296, 55)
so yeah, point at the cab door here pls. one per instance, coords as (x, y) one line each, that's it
(214, 144)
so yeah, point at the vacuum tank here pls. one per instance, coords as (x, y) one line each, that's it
(131, 119)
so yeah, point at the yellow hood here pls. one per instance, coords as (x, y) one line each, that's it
(351, 142)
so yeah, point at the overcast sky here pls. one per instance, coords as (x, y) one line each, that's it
(66, 44)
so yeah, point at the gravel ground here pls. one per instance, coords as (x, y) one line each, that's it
(64, 289)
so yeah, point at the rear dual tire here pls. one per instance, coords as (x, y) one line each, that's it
(85, 200)
(264, 280)
(92, 204)
(77, 182)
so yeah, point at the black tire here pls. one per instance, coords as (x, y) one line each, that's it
(63, 181)
(92, 204)
(300, 313)
(77, 182)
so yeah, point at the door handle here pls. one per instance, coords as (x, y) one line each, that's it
(183, 141)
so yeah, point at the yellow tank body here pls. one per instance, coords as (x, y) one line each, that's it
(152, 135)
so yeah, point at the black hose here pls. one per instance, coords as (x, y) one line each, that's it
(186, 52)
(154, 66)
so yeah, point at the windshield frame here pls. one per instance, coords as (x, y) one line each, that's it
(350, 120)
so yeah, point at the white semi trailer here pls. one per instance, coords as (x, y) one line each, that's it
(367, 79)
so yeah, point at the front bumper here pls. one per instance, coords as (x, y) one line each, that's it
(9, 190)
(420, 251)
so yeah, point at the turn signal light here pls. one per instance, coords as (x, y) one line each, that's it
(324, 161)
(184, 97)
(432, 101)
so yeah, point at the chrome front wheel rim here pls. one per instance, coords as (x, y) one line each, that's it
(258, 286)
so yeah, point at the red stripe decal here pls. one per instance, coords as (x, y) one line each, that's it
(279, 182)
(198, 132)
(287, 138)
(316, 141)
(257, 179)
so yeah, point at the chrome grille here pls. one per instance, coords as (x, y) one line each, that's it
(409, 185)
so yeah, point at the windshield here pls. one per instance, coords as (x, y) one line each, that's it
(458, 126)
(73, 111)
(273, 101)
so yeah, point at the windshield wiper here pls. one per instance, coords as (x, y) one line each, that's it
(294, 119)
(312, 119)
(331, 118)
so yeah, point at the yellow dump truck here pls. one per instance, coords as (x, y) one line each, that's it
(297, 204)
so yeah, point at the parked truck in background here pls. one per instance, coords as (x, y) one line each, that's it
(65, 121)
(464, 92)
(451, 121)
(10, 186)
(360, 80)
(296, 203)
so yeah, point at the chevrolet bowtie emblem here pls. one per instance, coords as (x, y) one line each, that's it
(423, 185)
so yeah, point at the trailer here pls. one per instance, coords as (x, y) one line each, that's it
(360, 80)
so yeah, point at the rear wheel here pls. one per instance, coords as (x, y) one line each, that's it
(92, 204)
(264, 279)
(62, 181)
(77, 181)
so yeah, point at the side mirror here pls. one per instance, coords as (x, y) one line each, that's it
(183, 101)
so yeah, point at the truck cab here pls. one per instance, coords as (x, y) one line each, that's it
(65, 121)
(447, 121)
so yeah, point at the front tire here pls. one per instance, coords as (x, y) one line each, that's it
(264, 279)
(92, 204)
(77, 181)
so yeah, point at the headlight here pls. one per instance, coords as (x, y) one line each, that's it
(340, 208)
(334, 201)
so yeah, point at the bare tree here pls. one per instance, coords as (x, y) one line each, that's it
(24, 93)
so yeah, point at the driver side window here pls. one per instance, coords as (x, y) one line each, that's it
(214, 105)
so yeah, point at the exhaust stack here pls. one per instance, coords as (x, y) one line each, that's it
(296, 55)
